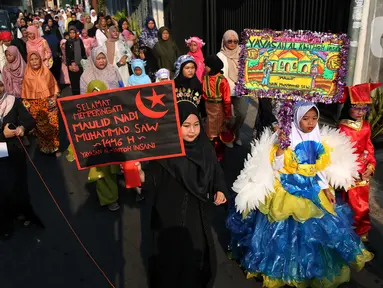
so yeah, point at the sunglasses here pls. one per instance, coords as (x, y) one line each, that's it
(232, 41)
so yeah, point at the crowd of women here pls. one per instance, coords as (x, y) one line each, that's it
(297, 236)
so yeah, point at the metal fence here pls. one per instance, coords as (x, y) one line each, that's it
(314, 15)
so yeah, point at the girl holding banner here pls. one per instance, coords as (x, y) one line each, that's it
(181, 192)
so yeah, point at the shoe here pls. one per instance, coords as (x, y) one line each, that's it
(229, 145)
(238, 142)
(113, 206)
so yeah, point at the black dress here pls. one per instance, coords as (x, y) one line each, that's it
(70, 58)
(183, 252)
(14, 196)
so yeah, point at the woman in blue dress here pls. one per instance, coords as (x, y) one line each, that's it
(287, 227)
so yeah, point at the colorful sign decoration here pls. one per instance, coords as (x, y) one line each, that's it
(293, 65)
(136, 123)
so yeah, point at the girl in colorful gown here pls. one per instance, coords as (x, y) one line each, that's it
(297, 236)
(359, 130)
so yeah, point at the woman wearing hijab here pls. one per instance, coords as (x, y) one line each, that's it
(149, 35)
(39, 93)
(15, 121)
(102, 33)
(61, 24)
(229, 55)
(118, 53)
(98, 68)
(93, 16)
(284, 200)
(54, 27)
(183, 251)
(64, 20)
(13, 71)
(88, 22)
(36, 23)
(186, 80)
(75, 52)
(37, 43)
(195, 45)
(54, 45)
(166, 50)
(139, 76)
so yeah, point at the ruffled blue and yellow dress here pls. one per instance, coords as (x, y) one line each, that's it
(297, 237)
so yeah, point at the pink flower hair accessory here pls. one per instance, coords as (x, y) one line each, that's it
(197, 40)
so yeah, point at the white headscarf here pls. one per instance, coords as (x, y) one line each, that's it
(163, 73)
(297, 135)
(93, 18)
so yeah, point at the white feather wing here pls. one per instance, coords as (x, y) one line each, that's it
(256, 180)
(343, 170)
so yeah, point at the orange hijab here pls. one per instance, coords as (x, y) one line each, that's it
(40, 83)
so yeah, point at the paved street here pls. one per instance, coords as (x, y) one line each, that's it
(54, 258)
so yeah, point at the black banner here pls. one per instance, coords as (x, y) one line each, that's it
(135, 123)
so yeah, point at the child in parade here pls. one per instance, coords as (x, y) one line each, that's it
(104, 176)
(287, 227)
(216, 92)
(162, 75)
(139, 76)
(357, 98)
(195, 45)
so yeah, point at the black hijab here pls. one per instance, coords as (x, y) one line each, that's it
(195, 171)
(193, 83)
(214, 63)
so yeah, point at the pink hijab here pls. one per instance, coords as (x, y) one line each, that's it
(35, 44)
(13, 73)
(198, 56)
